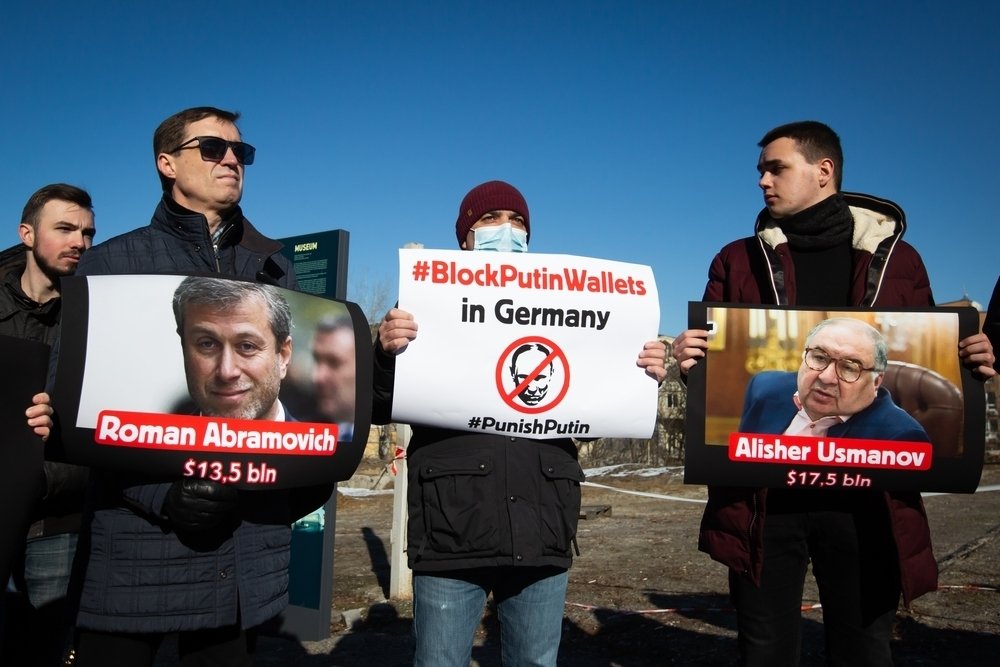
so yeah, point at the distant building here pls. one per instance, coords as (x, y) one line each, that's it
(672, 408)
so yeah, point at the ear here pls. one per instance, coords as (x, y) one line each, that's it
(165, 165)
(27, 234)
(284, 356)
(878, 381)
(826, 172)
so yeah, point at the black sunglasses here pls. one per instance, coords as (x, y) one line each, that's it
(213, 149)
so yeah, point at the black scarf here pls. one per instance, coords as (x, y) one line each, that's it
(823, 225)
(819, 238)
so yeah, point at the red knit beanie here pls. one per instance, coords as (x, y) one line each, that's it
(489, 196)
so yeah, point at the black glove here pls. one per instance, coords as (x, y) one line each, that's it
(197, 505)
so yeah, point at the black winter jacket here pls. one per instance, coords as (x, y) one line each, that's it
(991, 325)
(479, 500)
(58, 511)
(177, 241)
(21, 316)
(139, 576)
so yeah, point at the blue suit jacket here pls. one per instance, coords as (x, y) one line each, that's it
(768, 408)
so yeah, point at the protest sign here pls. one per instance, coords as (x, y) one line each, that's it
(132, 397)
(744, 427)
(534, 345)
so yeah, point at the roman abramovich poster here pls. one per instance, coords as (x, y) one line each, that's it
(238, 382)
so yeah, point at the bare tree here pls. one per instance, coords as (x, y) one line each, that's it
(373, 295)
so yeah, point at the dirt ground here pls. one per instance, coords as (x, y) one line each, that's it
(641, 594)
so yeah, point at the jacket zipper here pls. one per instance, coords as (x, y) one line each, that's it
(750, 527)
(774, 265)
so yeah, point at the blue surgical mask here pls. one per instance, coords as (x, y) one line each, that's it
(503, 238)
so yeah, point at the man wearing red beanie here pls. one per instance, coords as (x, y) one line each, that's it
(487, 513)
(496, 215)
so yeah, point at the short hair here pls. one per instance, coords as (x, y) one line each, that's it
(224, 295)
(54, 192)
(815, 141)
(880, 349)
(170, 132)
(526, 348)
(334, 323)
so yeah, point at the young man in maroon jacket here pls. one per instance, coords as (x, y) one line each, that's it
(815, 246)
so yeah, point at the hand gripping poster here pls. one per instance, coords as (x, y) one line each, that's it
(530, 345)
(242, 383)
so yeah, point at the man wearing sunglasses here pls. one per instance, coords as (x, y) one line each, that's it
(142, 576)
(198, 225)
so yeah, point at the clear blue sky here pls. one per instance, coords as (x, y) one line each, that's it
(630, 127)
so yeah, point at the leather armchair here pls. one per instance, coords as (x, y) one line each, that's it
(933, 401)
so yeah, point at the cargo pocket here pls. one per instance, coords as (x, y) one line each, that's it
(560, 501)
(460, 507)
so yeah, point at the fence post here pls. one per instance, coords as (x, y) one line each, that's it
(400, 578)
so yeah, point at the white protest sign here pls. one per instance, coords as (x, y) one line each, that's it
(531, 345)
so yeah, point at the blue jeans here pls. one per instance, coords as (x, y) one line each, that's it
(448, 607)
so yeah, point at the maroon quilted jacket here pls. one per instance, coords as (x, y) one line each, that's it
(759, 270)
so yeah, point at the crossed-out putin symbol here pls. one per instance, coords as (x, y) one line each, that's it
(532, 375)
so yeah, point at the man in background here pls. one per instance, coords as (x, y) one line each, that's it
(56, 228)
(334, 373)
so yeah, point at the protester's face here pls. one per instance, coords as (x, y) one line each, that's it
(333, 373)
(234, 367)
(493, 218)
(823, 393)
(201, 185)
(789, 182)
(63, 233)
(536, 389)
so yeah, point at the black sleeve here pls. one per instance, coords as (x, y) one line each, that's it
(991, 326)
(383, 378)
(65, 487)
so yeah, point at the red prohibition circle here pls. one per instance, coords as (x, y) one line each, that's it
(509, 399)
